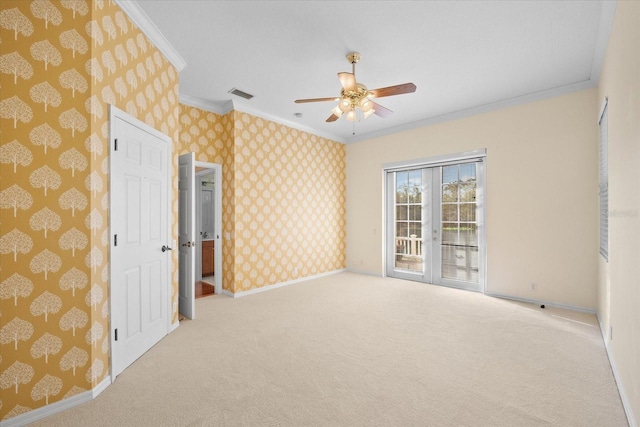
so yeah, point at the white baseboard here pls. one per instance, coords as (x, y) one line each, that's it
(364, 272)
(54, 408)
(623, 396)
(227, 293)
(540, 302)
(101, 387)
(281, 284)
(174, 326)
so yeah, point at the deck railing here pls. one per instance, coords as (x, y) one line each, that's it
(411, 245)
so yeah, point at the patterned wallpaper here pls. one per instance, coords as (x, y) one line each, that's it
(283, 196)
(62, 62)
(210, 137)
(289, 203)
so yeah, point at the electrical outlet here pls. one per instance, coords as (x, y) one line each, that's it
(534, 286)
(295, 271)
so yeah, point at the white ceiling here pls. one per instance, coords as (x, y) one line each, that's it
(465, 57)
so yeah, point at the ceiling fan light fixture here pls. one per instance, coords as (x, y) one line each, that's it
(345, 104)
(351, 116)
(366, 105)
(368, 113)
(355, 100)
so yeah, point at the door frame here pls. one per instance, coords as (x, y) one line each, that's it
(431, 162)
(216, 168)
(217, 220)
(116, 113)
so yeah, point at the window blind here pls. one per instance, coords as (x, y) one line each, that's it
(603, 123)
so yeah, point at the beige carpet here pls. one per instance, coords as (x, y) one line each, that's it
(352, 350)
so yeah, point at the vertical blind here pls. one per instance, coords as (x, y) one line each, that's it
(604, 181)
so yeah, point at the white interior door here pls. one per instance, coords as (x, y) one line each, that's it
(139, 218)
(187, 232)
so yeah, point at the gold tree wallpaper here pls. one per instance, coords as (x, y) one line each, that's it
(62, 62)
(210, 137)
(289, 201)
(283, 196)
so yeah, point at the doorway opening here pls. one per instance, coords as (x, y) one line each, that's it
(200, 231)
(204, 192)
(435, 221)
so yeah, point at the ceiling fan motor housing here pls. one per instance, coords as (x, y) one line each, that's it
(350, 99)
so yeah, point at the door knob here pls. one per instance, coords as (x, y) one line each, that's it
(166, 248)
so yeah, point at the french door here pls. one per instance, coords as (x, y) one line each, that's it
(435, 227)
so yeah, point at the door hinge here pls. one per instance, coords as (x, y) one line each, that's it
(115, 240)
(116, 334)
(115, 144)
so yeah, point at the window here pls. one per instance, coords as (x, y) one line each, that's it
(604, 180)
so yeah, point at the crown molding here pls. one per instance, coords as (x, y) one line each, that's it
(456, 115)
(146, 25)
(293, 125)
(480, 109)
(229, 105)
(209, 106)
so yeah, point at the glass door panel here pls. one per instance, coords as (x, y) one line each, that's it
(434, 225)
(459, 244)
(408, 221)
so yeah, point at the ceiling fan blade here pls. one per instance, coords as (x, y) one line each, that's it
(300, 101)
(332, 118)
(348, 81)
(381, 111)
(393, 90)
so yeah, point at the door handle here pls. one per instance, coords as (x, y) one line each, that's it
(166, 248)
(189, 244)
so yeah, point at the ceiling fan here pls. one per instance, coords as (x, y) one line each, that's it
(355, 97)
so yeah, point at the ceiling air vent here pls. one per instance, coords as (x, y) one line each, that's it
(240, 93)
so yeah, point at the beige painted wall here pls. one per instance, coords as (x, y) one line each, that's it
(618, 287)
(542, 185)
